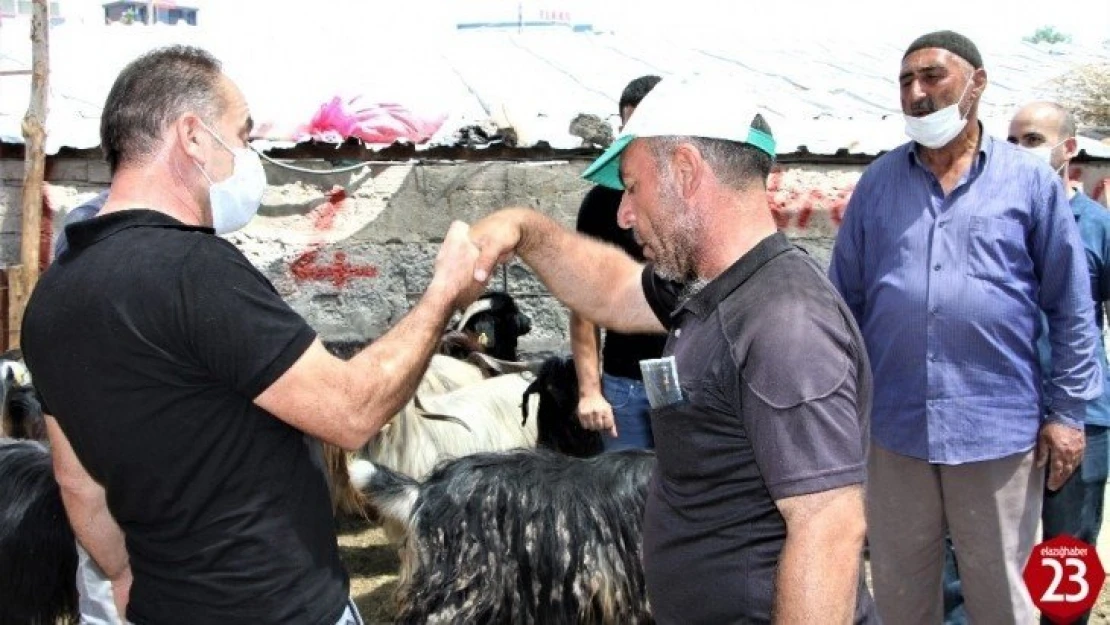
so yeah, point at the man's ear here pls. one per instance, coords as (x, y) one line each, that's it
(1071, 148)
(978, 83)
(187, 129)
(689, 167)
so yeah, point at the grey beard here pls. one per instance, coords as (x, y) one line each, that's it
(693, 287)
(690, 287)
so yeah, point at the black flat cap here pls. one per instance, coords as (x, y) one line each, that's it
(952, 41)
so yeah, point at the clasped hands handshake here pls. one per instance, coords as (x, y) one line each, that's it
(469, 255)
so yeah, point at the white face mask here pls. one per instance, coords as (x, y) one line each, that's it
(1044, 153)
(236, 200)
(936, 129)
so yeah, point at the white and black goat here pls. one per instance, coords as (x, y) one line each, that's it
(491, 325)
(526, 536)
(21, 414)
(456, 410)
(458, 420)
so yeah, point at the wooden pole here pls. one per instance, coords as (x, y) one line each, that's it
(34, 171)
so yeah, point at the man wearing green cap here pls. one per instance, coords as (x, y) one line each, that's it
(755, 510)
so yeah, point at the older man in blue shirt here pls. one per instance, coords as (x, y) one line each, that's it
(951, 247)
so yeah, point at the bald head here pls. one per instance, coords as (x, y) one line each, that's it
(1042, 117)
(1045, 125)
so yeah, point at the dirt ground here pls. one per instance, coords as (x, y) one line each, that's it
(373, 565)
(372, 562)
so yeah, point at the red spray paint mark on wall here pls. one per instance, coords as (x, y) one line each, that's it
(774, 181)
(339, 272)
(323, 216)
(796, 206)
(310, 267)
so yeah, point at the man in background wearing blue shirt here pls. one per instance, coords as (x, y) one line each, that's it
(88, 210)
(1048, 130)
(951, 247)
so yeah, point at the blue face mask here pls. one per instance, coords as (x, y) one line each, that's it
(235, 201)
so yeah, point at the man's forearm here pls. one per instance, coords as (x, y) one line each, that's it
(584, 348)
(97, 531)
(395, 363)
(595, 279)
(86, 506)
(818, 574)
(817, 583)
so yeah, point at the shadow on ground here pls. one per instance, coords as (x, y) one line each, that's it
(373, 564)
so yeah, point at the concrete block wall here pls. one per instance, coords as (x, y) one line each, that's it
(352, 252)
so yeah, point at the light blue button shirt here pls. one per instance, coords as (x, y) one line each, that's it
(948, 292)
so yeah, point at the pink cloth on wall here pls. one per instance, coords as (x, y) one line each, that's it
(380, 123)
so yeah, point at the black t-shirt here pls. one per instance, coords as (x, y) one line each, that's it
(148, 342)
(621, 353)
(777, 399)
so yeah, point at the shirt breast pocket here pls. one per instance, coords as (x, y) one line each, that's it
(995, 248)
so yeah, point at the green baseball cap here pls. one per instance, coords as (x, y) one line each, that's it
(679, 107)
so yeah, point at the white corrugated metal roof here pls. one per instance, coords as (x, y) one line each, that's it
(822, 96)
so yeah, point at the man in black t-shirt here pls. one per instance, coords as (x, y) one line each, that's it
(614, 401)
(181, 387)
(756, 506)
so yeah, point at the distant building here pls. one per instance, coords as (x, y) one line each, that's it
(520, 15)
(135, 11)
(22, 8)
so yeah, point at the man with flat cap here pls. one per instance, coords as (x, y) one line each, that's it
(951, 247)
(755, 511)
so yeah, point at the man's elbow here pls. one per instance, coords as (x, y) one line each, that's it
(361, 421)
(837, 520)
(78, 492)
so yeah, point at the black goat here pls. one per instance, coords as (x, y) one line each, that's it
(557, 423)
(524, 536)
(38, 555)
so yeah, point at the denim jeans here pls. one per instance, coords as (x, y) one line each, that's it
(631, 413)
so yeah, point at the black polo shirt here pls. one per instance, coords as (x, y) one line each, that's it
(148, 341)
(777, 394)
(620, 353)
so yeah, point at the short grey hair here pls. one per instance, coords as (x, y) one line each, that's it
(737, 165)
(150, 93)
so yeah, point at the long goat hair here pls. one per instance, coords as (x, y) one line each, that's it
(38, 555)
(525, 536)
